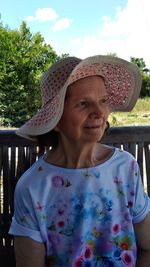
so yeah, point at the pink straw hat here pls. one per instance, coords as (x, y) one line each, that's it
(122, 81)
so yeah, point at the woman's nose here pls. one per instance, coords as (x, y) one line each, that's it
(97, 111)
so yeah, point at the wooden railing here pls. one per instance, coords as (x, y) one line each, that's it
(18, 154)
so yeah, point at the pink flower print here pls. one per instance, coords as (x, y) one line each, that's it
(117, 181)
(125, 243)
(78, 262)
(61, 224)
(88, 253)
(116, 228)
(127, 258)
(130, 204)
(57, 181)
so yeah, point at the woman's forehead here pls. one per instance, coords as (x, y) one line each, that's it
(87, 85)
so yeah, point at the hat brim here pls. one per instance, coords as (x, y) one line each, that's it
(45, 119)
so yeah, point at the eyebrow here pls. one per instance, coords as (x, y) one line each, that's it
(89, 98)
(77, 100)
(84, 97)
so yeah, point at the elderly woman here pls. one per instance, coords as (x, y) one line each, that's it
(82, 203)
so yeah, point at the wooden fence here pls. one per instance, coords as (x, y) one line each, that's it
(18, 154)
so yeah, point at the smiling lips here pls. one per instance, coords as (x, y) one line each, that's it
(93, 127)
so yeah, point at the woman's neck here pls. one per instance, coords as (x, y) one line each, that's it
(76, 156)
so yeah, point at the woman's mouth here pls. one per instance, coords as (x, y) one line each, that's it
(92, 126)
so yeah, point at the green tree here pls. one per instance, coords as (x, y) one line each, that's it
(140, 63)
(145, 72)
(23, 58)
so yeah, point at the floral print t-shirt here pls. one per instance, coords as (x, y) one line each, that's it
(85, 216)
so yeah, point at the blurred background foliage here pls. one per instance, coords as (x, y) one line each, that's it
(24, 56)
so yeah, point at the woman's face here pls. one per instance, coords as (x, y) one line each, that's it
(85, 111)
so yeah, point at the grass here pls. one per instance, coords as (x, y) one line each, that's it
(140, 115)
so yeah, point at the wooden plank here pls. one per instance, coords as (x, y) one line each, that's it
(21, 162)
(7, 257)
(140, 150)
(147, 161)
(126, 146)
(10, 138)
(128, 134)
(33, 155)
(132, 149)
(117, 145)
(12, 177)
(119, 134)
(6, 191)
(1, 199)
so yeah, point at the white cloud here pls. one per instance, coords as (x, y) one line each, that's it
(43, 14)
(127, 34)
(29, 18)
(62, 24)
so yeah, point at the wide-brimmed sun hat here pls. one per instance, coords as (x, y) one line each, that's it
(122, 80)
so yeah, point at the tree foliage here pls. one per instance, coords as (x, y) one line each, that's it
(23, 58)
(145, 72)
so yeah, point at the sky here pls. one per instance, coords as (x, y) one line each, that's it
(85, 28)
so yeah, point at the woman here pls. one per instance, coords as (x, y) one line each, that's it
(82, 203)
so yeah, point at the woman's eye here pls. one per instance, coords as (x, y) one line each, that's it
(104, 100)
(84, 103)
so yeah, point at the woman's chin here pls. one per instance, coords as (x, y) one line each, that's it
(94, 134)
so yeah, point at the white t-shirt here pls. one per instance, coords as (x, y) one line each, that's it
(84, 216)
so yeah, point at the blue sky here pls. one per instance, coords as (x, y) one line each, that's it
(83, 28)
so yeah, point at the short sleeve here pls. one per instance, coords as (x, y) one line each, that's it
(142, 201)
(24, 221)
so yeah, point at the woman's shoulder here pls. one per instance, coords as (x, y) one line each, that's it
(103, 153)
(121, 153)
(108, 152)
(31, 174)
